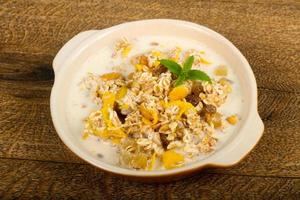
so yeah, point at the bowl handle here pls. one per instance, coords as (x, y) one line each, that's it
(67, 49)
(241, 147)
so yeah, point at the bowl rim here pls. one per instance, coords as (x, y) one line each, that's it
(253, 116)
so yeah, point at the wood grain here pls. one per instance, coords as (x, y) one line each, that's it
(268, 34)
(29, 134)
(32, 179)
(34, 164)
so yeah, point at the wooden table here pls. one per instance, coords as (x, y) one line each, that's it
(34, 163)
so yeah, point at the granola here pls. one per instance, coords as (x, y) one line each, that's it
(153, 123)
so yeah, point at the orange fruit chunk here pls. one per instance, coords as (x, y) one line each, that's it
(141, 67)
(121, 93)
(178, 93)
(112, 134)
(126, 51)
(226, 83)
(85, 136)
(105, 116)
(233, 119)
(172, 159)
(111, 76)
(108, 99)
(204, 61)
(183, 107)
(152, 162)
(221, 71)
(139, 161)
(149, 115)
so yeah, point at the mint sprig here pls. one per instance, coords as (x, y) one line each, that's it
(198, 75)
(185, 72)
(174, 67)
(188, 63)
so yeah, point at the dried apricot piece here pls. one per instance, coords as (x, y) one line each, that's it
(126, 51)
(85, 135)
(105, 116)
(97, 133)
(183, 107)
(155, 117)
(119, 133)
(164, 128)
(143, 60)
(162, 103)
(102, 134)
(148, 114)
(146, 121)
(156, 63)
(225, 82)
(178, 93)
(215, 119)
(108, 99)
(116, 140)
(112, 134)
(152, 162)
(221, 71)
(145, 112)
(233, 119)
(156, 54)
(172, 159)
(138, 67)
(121, 93)
(111, 76)
(139, 161)
(141, 67)
(124, 106)
(204, 61)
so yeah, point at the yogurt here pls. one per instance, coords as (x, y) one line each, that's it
(79, 104)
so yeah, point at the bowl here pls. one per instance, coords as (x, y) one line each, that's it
(76, 51)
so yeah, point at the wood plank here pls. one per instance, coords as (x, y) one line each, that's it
(267, 34)
(279, 2)
(42, 180)
(34, 164)
(26, 67)
(27, 126)
(27, 131)
(42, 27)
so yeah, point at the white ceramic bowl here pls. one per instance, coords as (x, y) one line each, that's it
(69, 59)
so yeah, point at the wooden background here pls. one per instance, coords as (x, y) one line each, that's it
(35, 164)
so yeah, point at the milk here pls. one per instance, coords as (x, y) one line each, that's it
(79, 104)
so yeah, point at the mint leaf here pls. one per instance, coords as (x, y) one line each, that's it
(180, 80)
(174, 67)
(188, 63)
(198, 75)
(186, 72)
